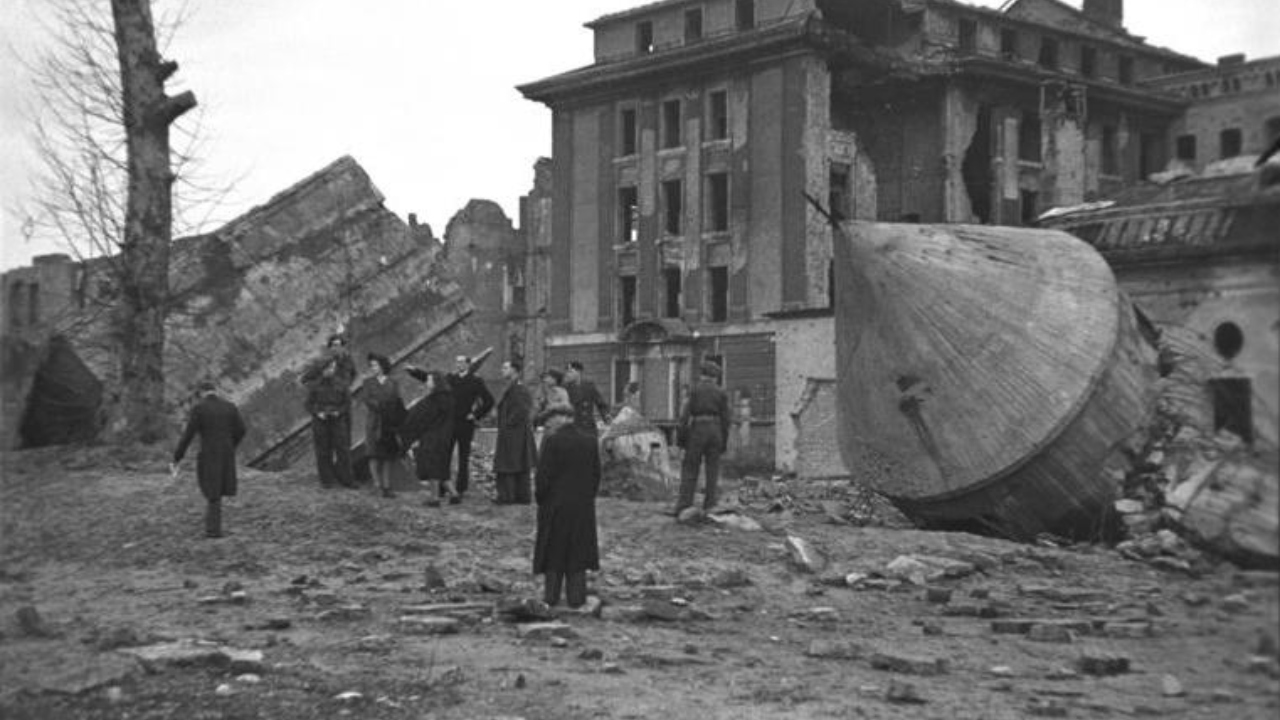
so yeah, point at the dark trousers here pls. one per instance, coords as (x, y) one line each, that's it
(514, 488)
(213, 518)
(575, 588)
(704, 447)
(332, 440)
(463, 432)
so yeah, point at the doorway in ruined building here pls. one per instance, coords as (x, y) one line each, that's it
(975, 169)
(1233, 406)
(65, 402)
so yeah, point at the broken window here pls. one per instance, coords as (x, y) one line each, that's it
(627, 121)
(671, 124)
(671, 282)
(627, 299)
(1088, 61)
(1028, 200)
(838, 191)
(1186, 147)
(693, 25)
(514, 299)
(1233, 406)
(745, 14)
(1029, 137)
(1230, 142)
(1126, 70)
(644, 38)
(968, 35)
(628, 215)
(672, 206)
(1009, 44)
(717, 219)
(1150, 155)
(718, 289)
(718, 115)
(1110, 153)
(1048, 53)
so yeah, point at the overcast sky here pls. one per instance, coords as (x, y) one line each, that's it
(422, 92)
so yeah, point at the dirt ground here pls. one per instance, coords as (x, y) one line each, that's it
(102, 554)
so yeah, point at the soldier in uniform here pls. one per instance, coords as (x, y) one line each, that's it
(704, 427)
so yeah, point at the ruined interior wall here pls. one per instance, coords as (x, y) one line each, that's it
(1202, 296)
(480, 241)
(961, 112)
(585, 233)
(804, 349)
(902, 133)
(765, 155)
(817, 174)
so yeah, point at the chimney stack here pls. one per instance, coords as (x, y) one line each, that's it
(1106, 12)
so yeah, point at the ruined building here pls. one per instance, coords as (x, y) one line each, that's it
(252, 304)
(682, 156)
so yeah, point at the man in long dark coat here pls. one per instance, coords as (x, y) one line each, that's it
(514, 453)
(471, 402)
(568, 480)
(220, 427)
(704, 423)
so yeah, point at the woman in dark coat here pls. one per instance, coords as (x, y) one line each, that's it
(381, 396)
(429, 428)
(568, 479)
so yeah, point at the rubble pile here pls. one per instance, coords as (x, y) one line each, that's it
(636, 460)
(842, 501)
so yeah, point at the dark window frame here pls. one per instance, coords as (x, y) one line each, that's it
(718, 294)
(673, 207)
(629, 129)
(718, 115)
(967, 35)
(744, 14)
(628, 214)
(693, 25)
(628, 293)
(672, 120)
(673, 289)
(644, 37)
(717, 199)
(1230, 143)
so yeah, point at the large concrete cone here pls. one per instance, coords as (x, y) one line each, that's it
(635, 458)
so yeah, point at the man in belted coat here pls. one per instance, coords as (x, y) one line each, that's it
(220, 427)
(328, 381)
(704, 422)
(514, 454)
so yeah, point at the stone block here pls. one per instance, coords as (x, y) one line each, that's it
(545, 631)
(428, 625)
(1102, 663)
(908, 664)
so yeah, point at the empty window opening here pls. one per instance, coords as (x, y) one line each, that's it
(718, 286)
(968, 35)
(1230, 141)
(1150, 154)
(1186, 147)
(1029, 137)
(672, 206)
(1088, 61)
(671, 282)
(1233, 406)
(1126, 70)
(644, 38)
(1009, 44)
(625, 372)
(671, 124)
(627, 299)
(718, 202)
(628, 131)
(628, 215)
(718, 121)
(693, 25)
(975, 169)
(839, 191)
(1110, 153)
(1028, 199)
(745, 14)
(1228, 340)
(1048, 53)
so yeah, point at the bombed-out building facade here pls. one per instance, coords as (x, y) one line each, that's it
(683, 155)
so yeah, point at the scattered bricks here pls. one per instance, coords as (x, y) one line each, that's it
(1102, 663)
(907, 664)
(903, 693)
(1051, 632)
(1170, 686)
(1194, 599)
(1235, 603)
(937, 595)
(1060, 672)
(1049, 592)
(963, 610)
(545, 631)
(834, 650)
(513, 609)
(659, 592)
(591, 654)
(1003, 671)
(1173, 564)
(816, 614)
(1046, 707)
(345, 613)
(1129, 630)
(804, 556)
(656, 609)
(428, 625)
(1023, 626)
(732, 578)
(464, 610)
(870, 583)
(241, 662)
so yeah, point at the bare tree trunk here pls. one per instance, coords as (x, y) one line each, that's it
(140, 315)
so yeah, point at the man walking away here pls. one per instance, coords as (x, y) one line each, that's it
(220, 427)
(514, 454)
(328, 381)
(585, 398)
(471, 402)
(567, 544)
(705, 423)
